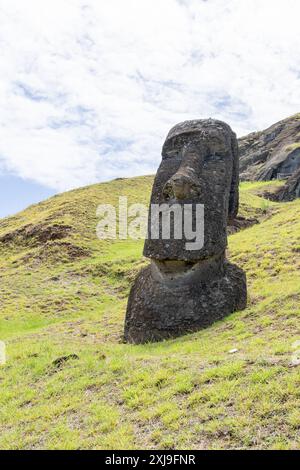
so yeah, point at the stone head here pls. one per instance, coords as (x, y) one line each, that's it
(199, 166)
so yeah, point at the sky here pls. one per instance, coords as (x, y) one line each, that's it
(17, 193)
(90, 88)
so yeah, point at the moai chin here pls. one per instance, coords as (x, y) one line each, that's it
(183, 290)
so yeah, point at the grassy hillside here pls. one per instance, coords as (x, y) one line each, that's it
(71, 383)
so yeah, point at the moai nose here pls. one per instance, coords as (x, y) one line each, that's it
(181, 186)
(185, 183)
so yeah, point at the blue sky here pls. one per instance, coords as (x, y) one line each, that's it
(16, 194)
(90, 88)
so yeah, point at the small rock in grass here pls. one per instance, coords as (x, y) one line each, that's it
(295, 362)
(61, 360)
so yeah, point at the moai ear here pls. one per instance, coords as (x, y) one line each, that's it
(234, 188)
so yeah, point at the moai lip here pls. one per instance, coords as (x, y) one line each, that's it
(186, 289)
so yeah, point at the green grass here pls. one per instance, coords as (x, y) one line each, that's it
(186, 393)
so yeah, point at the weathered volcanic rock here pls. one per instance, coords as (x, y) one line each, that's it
(289, 191)
(186, 288)
(240, 223)
(39, 233)
(273, 153)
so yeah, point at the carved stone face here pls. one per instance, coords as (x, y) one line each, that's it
(199, 166)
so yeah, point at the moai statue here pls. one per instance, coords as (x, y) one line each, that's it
(189, 284)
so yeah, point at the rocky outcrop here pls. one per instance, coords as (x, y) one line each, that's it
(35, 234)
(289, 191)
(240, 223)
(273, 153)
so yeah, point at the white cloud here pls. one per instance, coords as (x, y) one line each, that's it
(89, 89)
